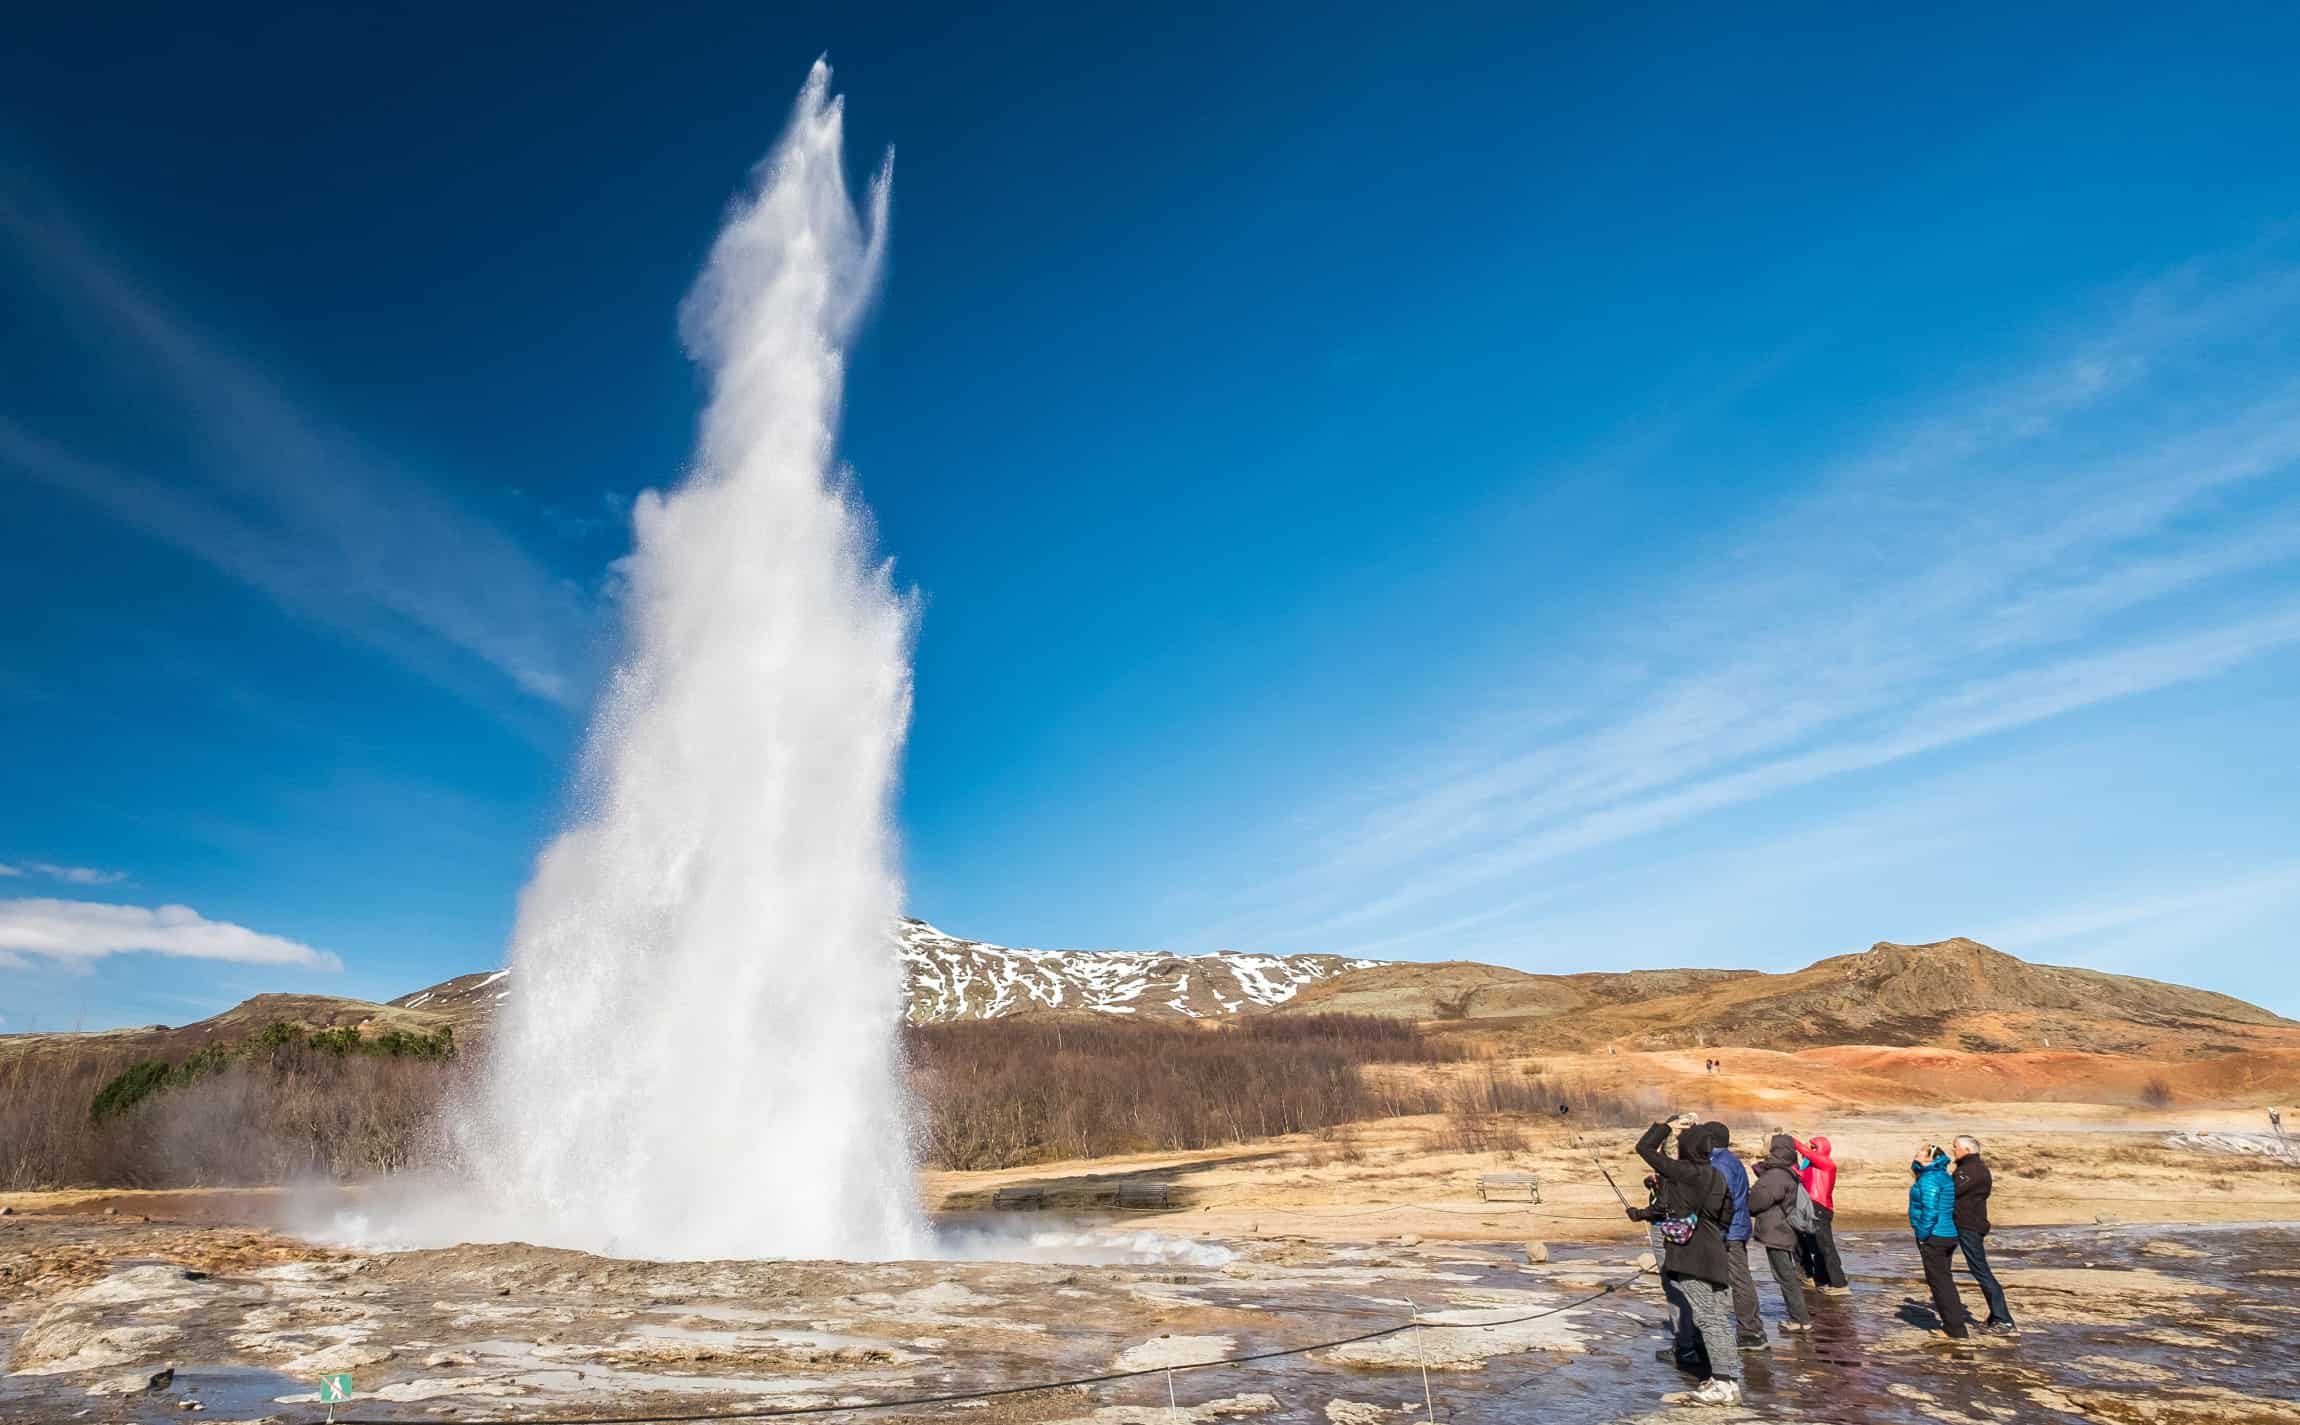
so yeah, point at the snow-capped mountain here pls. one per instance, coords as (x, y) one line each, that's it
(947, 977)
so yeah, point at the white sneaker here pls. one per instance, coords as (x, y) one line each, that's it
(1717, 1390)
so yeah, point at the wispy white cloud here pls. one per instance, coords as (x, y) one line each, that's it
(73, 875)
(2084, 530)
(2258, 889)
(307, 514)
(79, 932)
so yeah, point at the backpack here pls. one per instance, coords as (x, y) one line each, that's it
(1802, 1218)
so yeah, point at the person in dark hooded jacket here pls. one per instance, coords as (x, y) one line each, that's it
(1696, 1208)
(1771, 1195)
(1744, 1287)
(1685, 1350)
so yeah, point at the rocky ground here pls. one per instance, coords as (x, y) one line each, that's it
(150, 1306)
(2150, 1326)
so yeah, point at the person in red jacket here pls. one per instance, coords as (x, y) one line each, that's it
(1818, 1249)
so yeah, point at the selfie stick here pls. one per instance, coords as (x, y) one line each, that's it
(1609, 1182)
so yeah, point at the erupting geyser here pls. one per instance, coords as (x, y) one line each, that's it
(701, 1060)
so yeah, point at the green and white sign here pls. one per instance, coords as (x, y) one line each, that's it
(335, 1387)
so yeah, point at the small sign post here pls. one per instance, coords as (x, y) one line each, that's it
(333, 1388)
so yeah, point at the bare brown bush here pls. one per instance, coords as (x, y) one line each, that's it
(47, 1138)
(1488, 1110)
(287, 1106)
(290, 1111)
(1008, 1092)
(315, 1115)
(1336, 1144)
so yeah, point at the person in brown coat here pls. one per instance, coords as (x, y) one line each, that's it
(1773, 1189)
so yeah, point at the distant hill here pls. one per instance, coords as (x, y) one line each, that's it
(1951, 994)
(242, 1021)
(1957, 994)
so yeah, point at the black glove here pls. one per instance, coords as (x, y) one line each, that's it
(1638, 1214)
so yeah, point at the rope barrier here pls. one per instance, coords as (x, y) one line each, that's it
(787, 1412)
(1498, 1209)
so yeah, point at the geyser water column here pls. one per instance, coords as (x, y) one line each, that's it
(700, 1058)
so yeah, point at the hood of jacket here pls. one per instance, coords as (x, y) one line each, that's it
(1782, 1149)
(1695, 1144)
(1939, 1163)
(1821, 1143)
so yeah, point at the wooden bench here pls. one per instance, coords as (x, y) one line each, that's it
(1139, 1195)
(1016, 1199)
(1508, 1187)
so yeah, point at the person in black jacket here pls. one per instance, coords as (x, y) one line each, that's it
(1685, 1350)
(1972, 1215)
(1772, 1192)
(1695, 1206)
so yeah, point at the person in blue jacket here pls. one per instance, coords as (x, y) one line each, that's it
(1933, 1217)
(1749, 1326)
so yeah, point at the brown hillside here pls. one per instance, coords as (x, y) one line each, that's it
(467, 1002)
(242, 1021)
(1466, 990)
(1951, 994)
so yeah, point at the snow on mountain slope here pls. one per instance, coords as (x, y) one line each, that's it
(952, 978)
(947, 977)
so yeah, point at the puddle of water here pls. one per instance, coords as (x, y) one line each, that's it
(223, 1392)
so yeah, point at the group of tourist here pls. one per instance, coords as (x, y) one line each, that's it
(1707, 1206)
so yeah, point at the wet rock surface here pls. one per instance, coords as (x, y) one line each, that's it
(2116, 1330)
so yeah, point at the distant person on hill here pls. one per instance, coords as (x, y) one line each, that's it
(1973, 1185)
(1695, 1207)
(1820, 1245)
(1744, 1287)
(1933, 1217)
(1773, 1200)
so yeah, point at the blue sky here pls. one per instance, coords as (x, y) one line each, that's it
(1569, 491)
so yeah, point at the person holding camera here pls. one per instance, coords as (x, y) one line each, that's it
(1933, 1217)
(1694, 1210)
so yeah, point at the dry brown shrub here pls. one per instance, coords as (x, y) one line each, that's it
(1003, 1093)
(996, 1094)
(291, 1113)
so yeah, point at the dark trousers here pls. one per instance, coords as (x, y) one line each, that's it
(1785, 1277)
(1744, 1289)
(1940, 1259)
(1975, 1245)
(1817, 1250)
